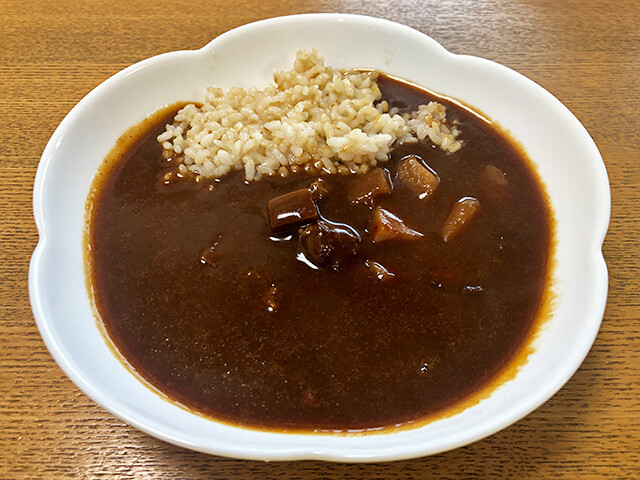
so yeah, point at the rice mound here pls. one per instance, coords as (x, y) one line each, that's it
(312, 118)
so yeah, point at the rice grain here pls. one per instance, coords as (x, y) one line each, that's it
(312, 116)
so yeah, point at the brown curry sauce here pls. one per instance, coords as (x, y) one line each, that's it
(221, 315)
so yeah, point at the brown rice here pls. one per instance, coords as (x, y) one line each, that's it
(312, 118)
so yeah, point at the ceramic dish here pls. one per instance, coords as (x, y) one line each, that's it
(562, 151)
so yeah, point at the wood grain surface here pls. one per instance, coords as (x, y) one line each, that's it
(52, 53)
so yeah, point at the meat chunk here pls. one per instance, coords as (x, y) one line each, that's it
(384, 226)
(419, 178)
(378, 271)
(328, 244)
(365, 188)
(319, 189)
(461, 213)
(291, 210)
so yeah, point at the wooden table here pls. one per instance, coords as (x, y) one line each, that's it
(587, 53)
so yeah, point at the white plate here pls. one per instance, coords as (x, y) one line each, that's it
(563, 153)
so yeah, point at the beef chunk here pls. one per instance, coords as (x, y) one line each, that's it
(291, 210)
(328, 244)
(319, 189)
(384, 226)
(461, 213)
(365, 188)
(378, 271)
(419, 178)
